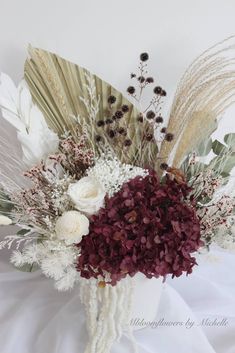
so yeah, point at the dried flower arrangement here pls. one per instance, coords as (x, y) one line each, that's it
(105, 189)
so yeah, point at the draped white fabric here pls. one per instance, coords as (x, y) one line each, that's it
(36, 318)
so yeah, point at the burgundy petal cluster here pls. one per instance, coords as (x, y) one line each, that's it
(147, 227)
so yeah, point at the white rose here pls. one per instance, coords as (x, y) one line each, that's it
(87, 195)
(5, 221)
(71, 226)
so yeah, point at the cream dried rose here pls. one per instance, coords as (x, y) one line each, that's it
(87, 195)
(71, 226)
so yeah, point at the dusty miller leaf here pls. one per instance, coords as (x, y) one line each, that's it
(204, 148)
(230, 139)
(218, 147)
(23, 231)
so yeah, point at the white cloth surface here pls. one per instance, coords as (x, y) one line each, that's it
(35, 318)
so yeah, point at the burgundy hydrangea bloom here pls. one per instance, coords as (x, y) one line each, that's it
(147, 227)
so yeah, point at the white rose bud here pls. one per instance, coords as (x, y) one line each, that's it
(87, 195)
(71, 226)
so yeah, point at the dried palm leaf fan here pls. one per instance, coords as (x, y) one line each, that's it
(65, 92)
(205, 91)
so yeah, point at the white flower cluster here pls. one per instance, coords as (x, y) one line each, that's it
(225, 235)
(216, 221)
(112, 174)
(55, 258)
(205, 183)
(208, 182)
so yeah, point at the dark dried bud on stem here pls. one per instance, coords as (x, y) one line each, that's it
(141, 79)
(125, 108)
(149, 137)
(127, 143)
(144, 56)
(164, 166)
(140, 118)
(119, 114)
(108, 121)
(111, 133)
(121, 131)
(149, 80)
(169, 137)
(150, 114)
(157, 90)
(131, 90)
(98, 138)
(111, 99)
(100, 123)
(159, 119)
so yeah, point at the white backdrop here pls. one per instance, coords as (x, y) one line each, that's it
(106, 36)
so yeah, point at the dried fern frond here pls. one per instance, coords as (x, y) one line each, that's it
(65, 91)
(205, 91)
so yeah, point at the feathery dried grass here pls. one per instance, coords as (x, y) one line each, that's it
(192, 134)
(205, 91)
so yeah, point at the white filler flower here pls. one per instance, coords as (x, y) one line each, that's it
(71, 226)
(87, 195)
(111, 174)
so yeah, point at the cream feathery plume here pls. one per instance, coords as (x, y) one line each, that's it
(193, 134)
(205, 91)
